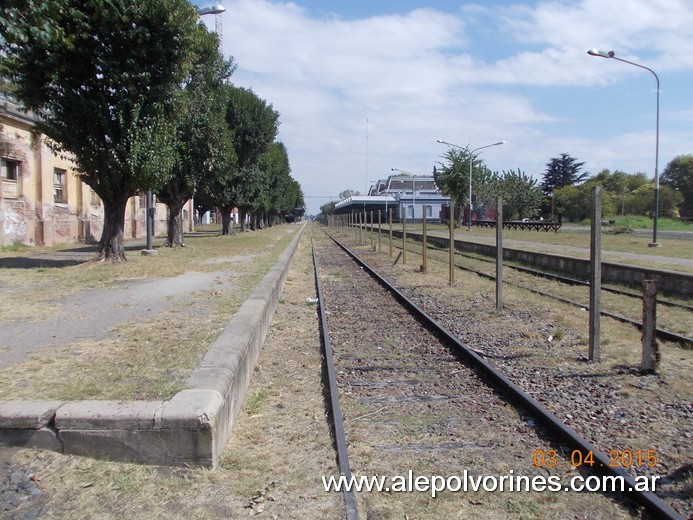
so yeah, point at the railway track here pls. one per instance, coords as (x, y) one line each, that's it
(614, 306)
(417, 402)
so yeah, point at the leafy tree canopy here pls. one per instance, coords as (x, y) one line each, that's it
(679, 175)
(348, 193)
(562, 171)
(106, 78)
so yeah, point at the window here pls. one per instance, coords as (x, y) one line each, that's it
(95, 200)
(10, 170)
(59, 185)
(429, 211)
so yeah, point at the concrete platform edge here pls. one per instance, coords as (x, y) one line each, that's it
(191, 428)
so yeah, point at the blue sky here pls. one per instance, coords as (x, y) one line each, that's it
(364, 86)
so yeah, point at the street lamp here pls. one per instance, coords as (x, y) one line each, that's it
(471, 157)
(413, 189)
(215, 9)
(612, 55)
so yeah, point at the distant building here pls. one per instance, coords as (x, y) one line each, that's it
(43, 201)
(412, 195)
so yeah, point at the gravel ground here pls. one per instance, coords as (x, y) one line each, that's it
(410, 404)
(271, 471)
(541, 346)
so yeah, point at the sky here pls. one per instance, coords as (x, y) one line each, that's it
(364, 86)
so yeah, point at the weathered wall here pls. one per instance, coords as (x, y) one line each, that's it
(29, 213)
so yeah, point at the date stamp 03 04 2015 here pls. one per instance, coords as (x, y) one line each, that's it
(617, 458)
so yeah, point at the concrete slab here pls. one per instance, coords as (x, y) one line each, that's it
(192, 428)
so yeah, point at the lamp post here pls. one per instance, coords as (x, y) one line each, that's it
(216, 10)
(413, 190)
(471, 157)
(612, 55)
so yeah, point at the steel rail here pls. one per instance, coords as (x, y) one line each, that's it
(648, 500)
(575, 281)
(335, 408)
(659, 333)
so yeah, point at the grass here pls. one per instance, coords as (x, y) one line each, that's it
(138, 359)
(643, 222)
(14, 247)
(573, 242)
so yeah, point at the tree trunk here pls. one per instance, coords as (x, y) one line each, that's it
(112, 243)
(226, 224)
(241, 215)
(175, 236)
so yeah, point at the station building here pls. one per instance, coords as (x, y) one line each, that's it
(409, 195)
(42, 200)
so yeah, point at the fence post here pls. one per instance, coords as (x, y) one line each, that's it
(372, 231)
(499, 253)
(404, 237)
(452, 242)
(379, 231)
(650, 349)
(424, 243)
(390, 232)
(595, 275)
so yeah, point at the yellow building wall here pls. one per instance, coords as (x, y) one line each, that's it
(29, 213)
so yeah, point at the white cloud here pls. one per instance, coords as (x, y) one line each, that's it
(471, 77)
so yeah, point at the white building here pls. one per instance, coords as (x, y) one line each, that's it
(403, 194)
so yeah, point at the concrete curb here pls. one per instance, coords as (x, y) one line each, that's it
(191, 428)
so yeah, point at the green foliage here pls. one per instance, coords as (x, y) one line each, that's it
(575, 202)
(106, 77)
(641, 201)
(284, 193)
(453, 178)
(328, 208)
(255, 124)
(561, 171)
(204, 144)
(678, 174)
(348, 193)
(522, 196)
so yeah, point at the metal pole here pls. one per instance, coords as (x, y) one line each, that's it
(595, 275)
(650, 349)
(379, 231)
(390, 232)
(611, 54)
(452, 242)
(499, 254)
(469, 213)
(372, 231)
(424, 243)
(404, 236)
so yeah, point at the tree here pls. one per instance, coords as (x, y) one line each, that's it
(282, 196)
(641, 201)
(255, 125)
(105, 76)
(679, 175)
(204, 143)
(522, 196)
(453, 178)
(348, 193)
(620, 184)
(560, 171)
(575, 202)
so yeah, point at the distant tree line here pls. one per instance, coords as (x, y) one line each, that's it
(565, 191)
(140, 96)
